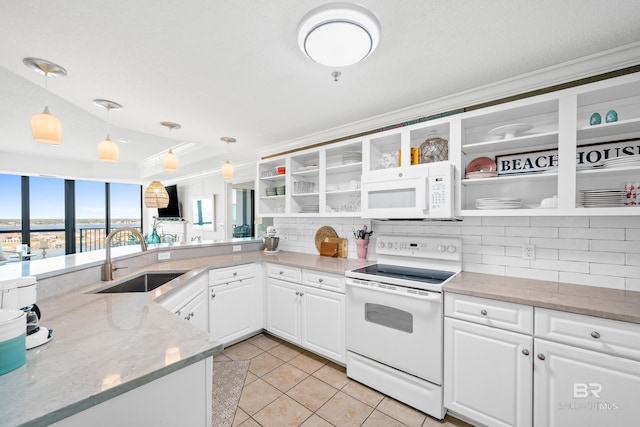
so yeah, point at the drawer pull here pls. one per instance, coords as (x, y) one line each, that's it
(281, 273)
(320, 280)
(483, 312)
(525, 351)
(541, 356)
(297, 293)
(595, 334)
(235, 273)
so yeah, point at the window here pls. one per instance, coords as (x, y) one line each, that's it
(43, 217)
(91, 215)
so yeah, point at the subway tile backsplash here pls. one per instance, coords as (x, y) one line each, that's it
(590, 251)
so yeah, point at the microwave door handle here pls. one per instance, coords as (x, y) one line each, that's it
(425, 192)
(434, 297)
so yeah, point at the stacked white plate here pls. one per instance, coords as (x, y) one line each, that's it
(481, 174)
(611, 197)
(498, 203)
(351, 157)
(309, 208)
(621, 162)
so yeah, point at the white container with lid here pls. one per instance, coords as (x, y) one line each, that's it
(13, 332)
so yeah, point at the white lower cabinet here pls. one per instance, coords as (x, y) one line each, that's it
(195, 311)
(487, 373)
(190, 303)
(595, 381)
(308, 316)
(487, 370)
(235, 305)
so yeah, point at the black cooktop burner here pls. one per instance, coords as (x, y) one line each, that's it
(406, 273)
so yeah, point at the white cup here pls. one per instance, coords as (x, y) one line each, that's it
(551, 202)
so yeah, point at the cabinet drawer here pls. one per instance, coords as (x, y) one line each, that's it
(226, 274)
(594, 333)
(499, 314)
(290, 274)
(317, 279)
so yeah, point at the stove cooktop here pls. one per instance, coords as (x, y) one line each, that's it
(422, 275)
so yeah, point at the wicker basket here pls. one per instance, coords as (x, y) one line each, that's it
(434, 149)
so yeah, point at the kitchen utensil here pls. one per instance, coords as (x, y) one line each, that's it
(322, 233)
(271, 244)
(328, 249)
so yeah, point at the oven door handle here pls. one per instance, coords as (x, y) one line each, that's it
(433, 296)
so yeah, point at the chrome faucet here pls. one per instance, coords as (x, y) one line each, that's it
(108, 268)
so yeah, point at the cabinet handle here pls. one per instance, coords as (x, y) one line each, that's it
(282, 272)
(192, 314)
(301, 294)
(297, 293)
(178, 313)
(320, 280)
(595, 334)
(213, 295)
(525, 351)
(541, 356)
(483, 312)
(235, 273)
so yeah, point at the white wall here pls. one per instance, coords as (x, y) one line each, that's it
(593, 251)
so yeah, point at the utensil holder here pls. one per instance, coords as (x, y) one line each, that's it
(362, 245)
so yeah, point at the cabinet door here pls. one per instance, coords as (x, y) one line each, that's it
(283, 309)
(234, 309)
(196, 312)
(577, 387)
(487, 373)
(323, 324)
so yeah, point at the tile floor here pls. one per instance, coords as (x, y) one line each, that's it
(289, 386)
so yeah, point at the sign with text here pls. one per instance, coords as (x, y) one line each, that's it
(547, 160)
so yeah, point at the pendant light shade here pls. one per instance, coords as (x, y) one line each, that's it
(46, 128)
(156, 196)
(227, 170)
(108, 150)
(170, 161)
(227, 167)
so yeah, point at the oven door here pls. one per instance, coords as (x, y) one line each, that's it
(400, 327)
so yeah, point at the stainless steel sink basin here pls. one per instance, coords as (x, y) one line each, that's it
(143, 283)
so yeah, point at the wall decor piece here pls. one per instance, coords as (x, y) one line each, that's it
(587, 156)
(595, 119)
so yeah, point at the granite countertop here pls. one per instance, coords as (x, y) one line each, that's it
(589, 300)
(107, 344)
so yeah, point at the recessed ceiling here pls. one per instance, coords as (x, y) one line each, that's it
(234, 68)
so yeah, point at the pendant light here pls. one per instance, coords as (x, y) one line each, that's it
(156, 196)
(170, 160)
(227, 167)
(46, 127)
(108, 150)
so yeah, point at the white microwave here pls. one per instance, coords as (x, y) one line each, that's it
(422, 191)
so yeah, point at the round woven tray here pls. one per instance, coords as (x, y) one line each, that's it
(322, 233)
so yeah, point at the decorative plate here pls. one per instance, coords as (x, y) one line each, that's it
(322, 233)
(481, 164)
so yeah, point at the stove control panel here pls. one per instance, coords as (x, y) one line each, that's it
(433, 247)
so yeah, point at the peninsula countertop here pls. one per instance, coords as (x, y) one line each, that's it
(98, 337)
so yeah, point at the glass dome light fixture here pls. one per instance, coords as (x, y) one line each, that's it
(46, 128)
(108, 150)
(338, 34)
(227, 167)
(170, 160)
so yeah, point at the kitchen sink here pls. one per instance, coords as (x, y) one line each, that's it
(143, 283)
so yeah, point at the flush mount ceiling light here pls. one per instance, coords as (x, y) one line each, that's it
(170, 160)
(108, 150)
(46, 127)
(338, 34)
(227, 167)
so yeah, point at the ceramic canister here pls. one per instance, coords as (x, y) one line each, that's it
(13, 333)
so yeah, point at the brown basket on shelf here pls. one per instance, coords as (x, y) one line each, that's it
(434, 149)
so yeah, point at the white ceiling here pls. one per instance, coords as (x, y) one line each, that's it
(233, 68)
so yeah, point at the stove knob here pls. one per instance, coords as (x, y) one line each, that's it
(380, 244)
(441, 248)
(451, 249)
